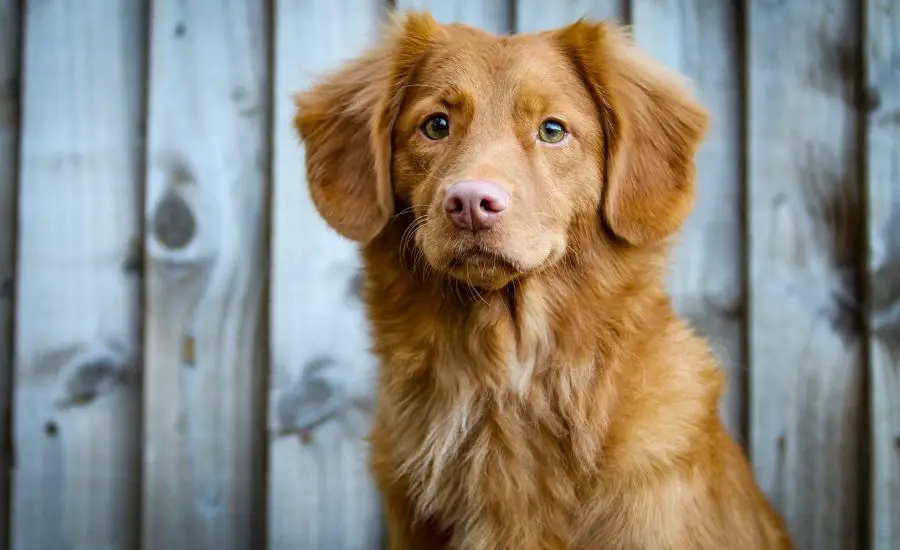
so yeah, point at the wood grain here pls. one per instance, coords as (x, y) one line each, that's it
(540, 15)
(882, 78)
(77, 431)
(9, 140)
(700, 40)
(789, 332)
(321, 496)
(806, 395)
(206, 204)
(490, 15)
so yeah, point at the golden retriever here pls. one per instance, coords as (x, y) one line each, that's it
(513, 197)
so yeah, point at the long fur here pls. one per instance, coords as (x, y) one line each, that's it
(566, 406)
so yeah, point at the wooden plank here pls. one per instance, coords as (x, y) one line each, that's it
(491, 15)
(9, 139)
(805, 346)
(700, 39)
(882, 66)
(77, 401)
(539, 15)
(321, 496)
(206, 206)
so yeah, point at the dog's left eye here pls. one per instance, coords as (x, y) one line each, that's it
(551, 131)
(437, 127)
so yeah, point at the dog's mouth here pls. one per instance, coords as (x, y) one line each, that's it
(488, 260)
(481, 266)
(479, 256)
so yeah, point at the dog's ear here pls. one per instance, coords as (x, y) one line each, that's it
(345, 121)
(652, 127)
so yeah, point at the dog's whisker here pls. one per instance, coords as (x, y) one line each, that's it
(406, 246)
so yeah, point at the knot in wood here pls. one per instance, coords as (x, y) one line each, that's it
(90, 373)
(315, 398)
(174, 223)
(91, 378)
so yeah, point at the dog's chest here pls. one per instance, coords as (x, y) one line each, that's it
(478, 437)
(495, 470)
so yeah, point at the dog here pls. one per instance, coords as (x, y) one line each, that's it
(514, 199)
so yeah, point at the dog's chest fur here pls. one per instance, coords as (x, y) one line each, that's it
(486, 436)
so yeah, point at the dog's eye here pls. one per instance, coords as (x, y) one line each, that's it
(551, 131)
(436, 127)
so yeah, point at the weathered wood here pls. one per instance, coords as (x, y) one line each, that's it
(321, 496)
(9, 139)
(539, 15)
(490, 15)
(805, 346)
(882, 78)
(206, 260)
(77, 431)
(700, 39)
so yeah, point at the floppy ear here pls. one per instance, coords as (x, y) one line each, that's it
(652, 127)
(345, 121)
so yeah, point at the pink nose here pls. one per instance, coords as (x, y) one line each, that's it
(474, 204)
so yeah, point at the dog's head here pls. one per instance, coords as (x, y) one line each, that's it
(498, 145)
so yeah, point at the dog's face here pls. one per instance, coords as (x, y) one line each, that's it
(497, 145)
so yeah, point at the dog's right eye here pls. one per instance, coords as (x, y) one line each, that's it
(436, 127)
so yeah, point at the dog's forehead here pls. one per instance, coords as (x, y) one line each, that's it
(474, 59)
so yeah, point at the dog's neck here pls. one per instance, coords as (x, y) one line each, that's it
(591, 308)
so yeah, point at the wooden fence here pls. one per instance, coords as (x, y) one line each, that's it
(183, 357)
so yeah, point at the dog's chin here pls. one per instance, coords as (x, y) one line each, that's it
(483, 269)
(487, 261)
(481, 266)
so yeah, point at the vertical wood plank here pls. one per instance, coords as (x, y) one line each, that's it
(882, 63)
(700, 39)
(206, 203)
(9, 139)
(77, 398)
(491, 15)
(321, 496)
(540, 15)
(806, 368)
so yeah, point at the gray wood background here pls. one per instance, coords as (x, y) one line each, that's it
(183, 357)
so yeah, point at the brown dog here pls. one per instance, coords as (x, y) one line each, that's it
(514, 196)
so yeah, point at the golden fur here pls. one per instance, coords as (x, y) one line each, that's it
(537, 390)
